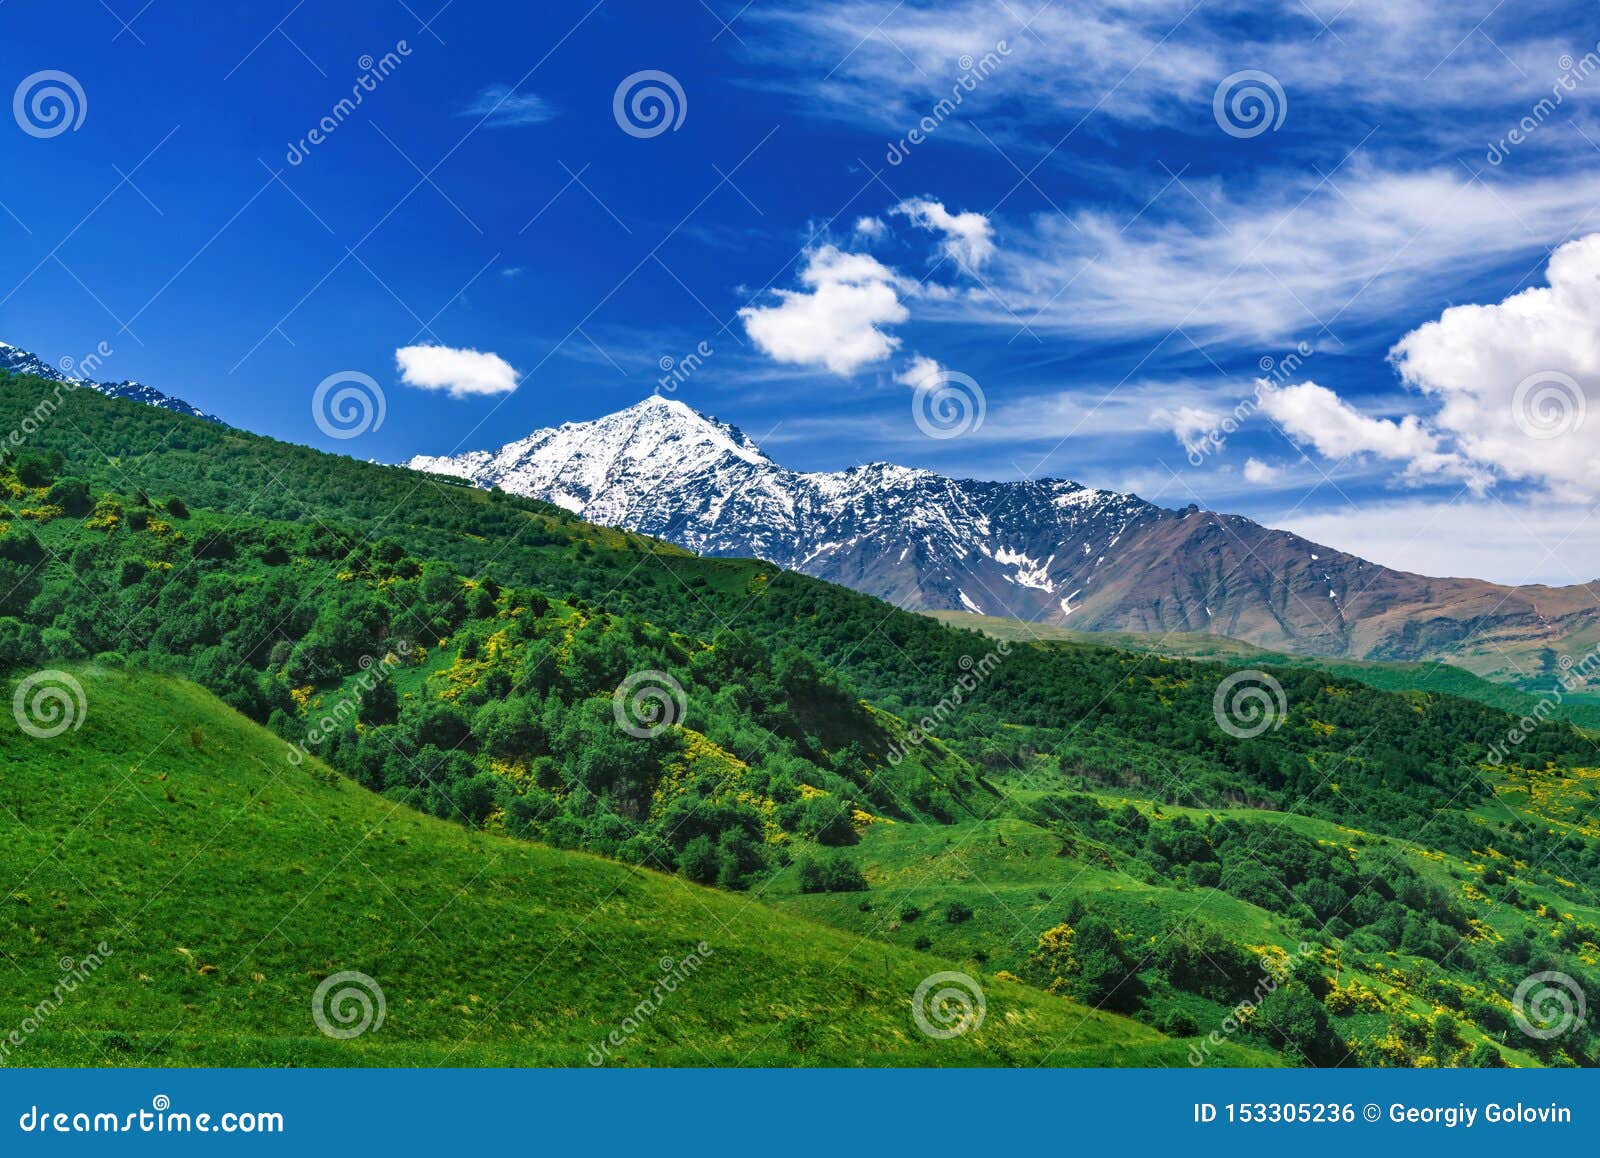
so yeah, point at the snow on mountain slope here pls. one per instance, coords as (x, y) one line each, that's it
(1045, 550)
(662, 469)
(18, 361)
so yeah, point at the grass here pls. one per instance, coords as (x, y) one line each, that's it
(1017, 879)
(226, 883)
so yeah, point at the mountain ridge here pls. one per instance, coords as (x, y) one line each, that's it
(1050, 550)
(16, 360)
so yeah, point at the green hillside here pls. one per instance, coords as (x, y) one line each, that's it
(1441, 678)
(226, 883)
(1085, 819)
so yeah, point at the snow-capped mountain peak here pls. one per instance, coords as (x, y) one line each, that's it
(1048, 549)
(662, 468)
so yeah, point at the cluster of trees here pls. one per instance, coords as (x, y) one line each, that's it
(1375, 906)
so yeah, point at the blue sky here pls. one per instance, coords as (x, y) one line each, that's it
(1133, 213)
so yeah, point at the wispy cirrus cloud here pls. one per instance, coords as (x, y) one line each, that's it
(1296, 256)
(498, 107)
(1157, 62)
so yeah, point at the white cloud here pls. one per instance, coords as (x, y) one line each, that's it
(918, 370)
(1276, 259)
(838, 323)
(871, 228)
(1316, 415)
(968, 237)
(1256, 471)
(498, 107)
(1191, 424)
(1145, 62)
(1512, 384)
(1475, 359)
(460, 373)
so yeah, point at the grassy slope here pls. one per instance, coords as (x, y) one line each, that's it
(227, 883)
(1440, 678)
(1017, 877)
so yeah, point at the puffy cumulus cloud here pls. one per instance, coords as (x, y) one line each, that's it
(460, 373)
(1316, 415)
(871, 228)
(837, 322)
(1514, 380)
(1256, 471)
(967, 237)
(918, 370)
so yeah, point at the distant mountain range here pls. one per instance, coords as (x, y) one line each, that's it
(18, 361)
(1049, 551)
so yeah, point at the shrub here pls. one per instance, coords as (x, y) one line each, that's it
(834, 874)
